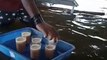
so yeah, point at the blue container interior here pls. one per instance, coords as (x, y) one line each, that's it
(63, 49)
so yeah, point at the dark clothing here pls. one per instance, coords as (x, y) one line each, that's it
(10, 5)
(9, 17)
(11, 10)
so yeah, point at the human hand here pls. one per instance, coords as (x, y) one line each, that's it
(48, 31)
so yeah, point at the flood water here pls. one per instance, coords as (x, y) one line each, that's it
(87, 33)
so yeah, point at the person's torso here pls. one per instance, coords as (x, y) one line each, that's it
(10, 5)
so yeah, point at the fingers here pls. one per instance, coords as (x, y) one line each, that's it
(53, 35)
(56, 39)
(49, 31)
(46, 34)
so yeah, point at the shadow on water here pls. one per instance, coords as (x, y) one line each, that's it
(87, 32)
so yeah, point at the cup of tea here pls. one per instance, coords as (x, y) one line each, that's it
(35, 51)
(36, 40)
(20, 44)
(27, 35)
(49, 50)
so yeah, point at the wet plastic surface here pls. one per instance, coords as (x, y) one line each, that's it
(8, 46)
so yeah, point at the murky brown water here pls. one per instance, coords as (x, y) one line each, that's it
(88, 35)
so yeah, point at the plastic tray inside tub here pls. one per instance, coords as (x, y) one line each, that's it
(8, 46)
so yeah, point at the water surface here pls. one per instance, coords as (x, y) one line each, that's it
(87, 33)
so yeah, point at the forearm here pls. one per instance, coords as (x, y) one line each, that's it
(33, 11)
(30, 7)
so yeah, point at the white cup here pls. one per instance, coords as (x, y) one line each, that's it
(36, 39)
(49, 50)
(20, 44)
(35, 51)
(27, 35)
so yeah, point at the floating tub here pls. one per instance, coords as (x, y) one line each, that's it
(8, 46)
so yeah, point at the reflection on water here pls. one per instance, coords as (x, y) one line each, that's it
(87, 32)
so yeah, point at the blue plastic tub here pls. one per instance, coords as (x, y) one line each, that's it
(8, 46)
